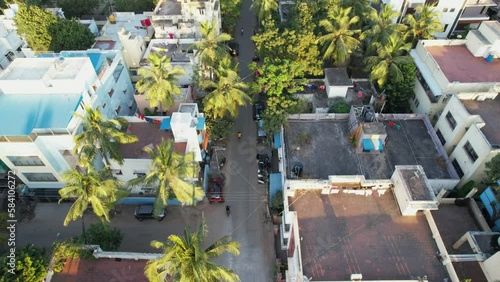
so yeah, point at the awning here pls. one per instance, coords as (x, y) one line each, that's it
(165, 124)
(275, 184)
(277, 140)
(201, 123)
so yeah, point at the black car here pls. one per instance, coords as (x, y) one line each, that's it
(146, 212)
(258, 108)
(234, 48)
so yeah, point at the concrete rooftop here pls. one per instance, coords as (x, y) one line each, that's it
(331, 153)
(37, 68)
(489, 110)
(343, 234)
(458, 64)
(453, 222)
(149, 135)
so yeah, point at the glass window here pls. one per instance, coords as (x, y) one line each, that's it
(416, 102)
(457, 168)
(40, 177)
(470, 151)
(451, 120)
(26, 161)
(445, 10)
(441, 137)
(452, 10)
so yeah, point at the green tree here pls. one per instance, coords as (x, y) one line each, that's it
(69, 249)
(297, 46)
(277, 110)
(220, 127)
(185, 260)
(158, 81)
(101, 136)
(399, 93)
(30, 265)
(92, 188)
(339, 41)
(77, 8)
(228, 94)
(134, 5)
(361, 9)
(230, 13)
(70, 35)
(277, 76)
(264, 8)
(211, 48)
(423, 24)
(493, 168)
(381, 27)
(385, 65)
(109, 239)
(169, 171)
(33, 23)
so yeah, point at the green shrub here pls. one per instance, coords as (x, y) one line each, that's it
(340, 107)
(277, 203)
(109, 239)
(30, 264)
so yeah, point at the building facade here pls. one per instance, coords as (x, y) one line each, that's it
(39, 96)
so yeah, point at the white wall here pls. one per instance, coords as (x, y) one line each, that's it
(492, 271)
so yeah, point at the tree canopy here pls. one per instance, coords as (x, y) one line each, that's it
(399, 93)
(134, 5)
(78, 8)
(493, 168)
(30, 265)
(70, 35)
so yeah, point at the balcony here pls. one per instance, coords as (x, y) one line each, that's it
(427, 89)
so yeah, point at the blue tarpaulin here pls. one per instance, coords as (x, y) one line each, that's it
(381, 145)
(275, 184)
(277, 140)
(165, 124)
(368, 145)
(201, 123)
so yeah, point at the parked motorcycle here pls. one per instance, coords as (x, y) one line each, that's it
(222, 163)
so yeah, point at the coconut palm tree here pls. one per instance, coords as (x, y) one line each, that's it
(339, 41)
(158, 81)
(169, 171)
(228, 94)
(212, 48)
(361, 9)
(100, 136)
(185, 260)
(381, 27)
(94, 188)
(423, 24)
(264, 8)
(384, 65)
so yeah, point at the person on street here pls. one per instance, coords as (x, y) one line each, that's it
(242, 31)
(239, 134)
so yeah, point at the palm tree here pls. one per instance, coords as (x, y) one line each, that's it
(384, 66)
(228, 94)
(339, 42)
(264, 8)
(169, 169)
(381, 27)
(212, 48)
(361, 9)
(185, 260)
(424, 24)
(100, 136)
(94, 188)
(158, 81)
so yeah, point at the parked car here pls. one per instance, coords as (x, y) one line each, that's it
(234, 48)
(258, 108)
(146, 212)
(261, 133)
(215, 188)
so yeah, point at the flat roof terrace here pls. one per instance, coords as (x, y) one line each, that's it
(458, 64)
(329, 151)
(489, 110)
(344, 234)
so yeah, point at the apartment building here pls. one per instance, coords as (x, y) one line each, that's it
(10, 42)
(447, 67)
(38, 97)
(129, 33)
(469, 132)
(180, 19)
(455, 15)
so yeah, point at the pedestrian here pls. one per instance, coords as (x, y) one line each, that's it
(242, 31)
(239, 134)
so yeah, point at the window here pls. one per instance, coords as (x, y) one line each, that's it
(40, 177)
(445, 27)
(104, 106)
(82, 105)
(451, 120)
(432, 2)
(10, 56)
(457, 168)
(441, 137)
(26, 160)
(118, 109)
(111, 92)
(202, 11)
(452, 10)
(416, 102)
(445, 10)
(470, 151)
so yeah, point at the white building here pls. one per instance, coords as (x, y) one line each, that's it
(10, 42)
(129, 33)
(455, 15)
(181, 19)
(38, 97)
(469, 132)
(447, 67)
(186, 127)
